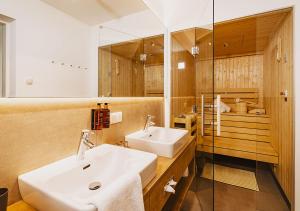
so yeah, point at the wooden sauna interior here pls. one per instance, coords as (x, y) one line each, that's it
(252, 61)
(133, 68)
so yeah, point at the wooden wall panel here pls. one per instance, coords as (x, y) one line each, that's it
(234, 73)
(278, 76)
(121, 76)
(104, 79)
(154, 80)
(115, 75)
(204, 76)
(240, 72)
(122, 73)
(183, 81)
(138, 85)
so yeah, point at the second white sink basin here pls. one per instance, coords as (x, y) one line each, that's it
(161, 141)
(64, 185)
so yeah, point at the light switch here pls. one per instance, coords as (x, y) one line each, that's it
(115, 117)
(181, 65)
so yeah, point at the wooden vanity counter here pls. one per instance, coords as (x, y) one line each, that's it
(171, 168)
(154, 195)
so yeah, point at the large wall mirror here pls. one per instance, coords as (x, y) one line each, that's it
(56, 48)
(133, 69)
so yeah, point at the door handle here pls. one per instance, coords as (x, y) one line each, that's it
(202, 115)
(218, 106)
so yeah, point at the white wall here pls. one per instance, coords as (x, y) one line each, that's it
(182, 14)
(134, 26)
(44, 34)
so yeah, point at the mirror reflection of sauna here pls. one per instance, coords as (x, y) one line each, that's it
(245, 134)
(132, 69)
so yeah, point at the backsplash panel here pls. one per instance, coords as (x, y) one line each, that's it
(33, 135)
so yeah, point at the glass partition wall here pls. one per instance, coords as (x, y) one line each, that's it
(231, 88)
(253, 151)
(192, 107)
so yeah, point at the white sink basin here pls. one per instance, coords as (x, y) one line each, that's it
(64, 185)
(161, 141)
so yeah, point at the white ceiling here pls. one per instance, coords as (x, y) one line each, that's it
(95, 12)
(182, 14)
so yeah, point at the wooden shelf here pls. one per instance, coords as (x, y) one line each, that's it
(175, 202)
(188, 122)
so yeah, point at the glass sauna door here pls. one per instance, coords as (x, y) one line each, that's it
(253, 154)
(193, 109)
(192, 102)
(233, 80)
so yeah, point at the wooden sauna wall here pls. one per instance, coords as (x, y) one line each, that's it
(204, 67)
(138, 87)
(134, 78)
(239, 72)
(121, 80)
(104, 71)
(129, 82)
(183, 81)
(154, 80)
(278, 75)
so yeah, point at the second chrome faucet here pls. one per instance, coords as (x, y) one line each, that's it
(84, 144)
(149, 122)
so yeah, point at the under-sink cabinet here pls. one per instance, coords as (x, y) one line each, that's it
(155, 197)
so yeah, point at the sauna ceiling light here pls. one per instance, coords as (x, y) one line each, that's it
(195, 50)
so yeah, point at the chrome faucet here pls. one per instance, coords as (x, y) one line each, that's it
(148, 123)
(84, 144)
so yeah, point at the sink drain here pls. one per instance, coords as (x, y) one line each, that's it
(94, 185)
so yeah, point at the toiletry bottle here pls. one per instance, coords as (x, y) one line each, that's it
(98, 117)
(93, 113)
(106, 116)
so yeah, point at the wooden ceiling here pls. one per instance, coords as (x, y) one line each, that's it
(246, 35)
(240, 36)
(126, 49)
(186, 39)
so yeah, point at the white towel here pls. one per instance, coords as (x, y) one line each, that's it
(223, 107)
(125, 194)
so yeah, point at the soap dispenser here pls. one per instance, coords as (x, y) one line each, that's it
(106, 116)
(97, 118)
